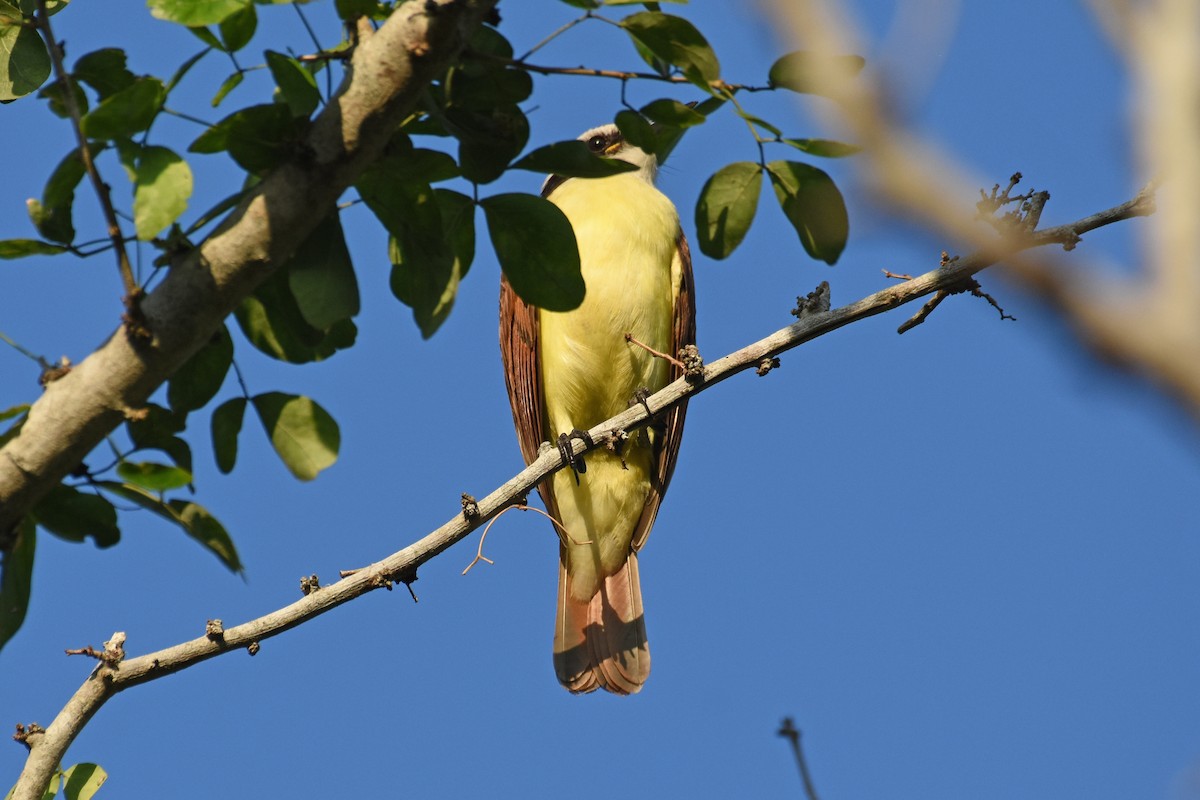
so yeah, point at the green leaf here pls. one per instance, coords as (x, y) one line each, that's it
(226, 425)
(201, 376)
(429, 166)
(272, 322)
(24, 62)
(257, 137)
(193, 519)
(156, 429)
(536, 248)
(488, 140)
(82, 781)
(825, 148)
(16, 579)
(321, 275)
(726, 207)
(672, 112)
(30, 7)
(588, 4)
(637, 130)
(184, 68)
(349, 9)
(805, 72)
(227, 86)
(14, 411)
(104, 70)
(19, 248)
(153, 476)
(53, 216)
(11, 432)
(207, 36)
(55, 96)
(677, 42)
(238, 28)
(572, 159)
(162, 188)
(127, 111)
(812, 203)
(195, 12)
(74, 515)
(296, 84)
(483, 85)
(429, 289)
(302, 433)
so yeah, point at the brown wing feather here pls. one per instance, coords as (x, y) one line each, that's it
(522, 376)
(667, 447)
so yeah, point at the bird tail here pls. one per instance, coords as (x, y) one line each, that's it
(601, 643)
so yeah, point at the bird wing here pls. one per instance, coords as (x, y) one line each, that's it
(522, 376)
(666, 444)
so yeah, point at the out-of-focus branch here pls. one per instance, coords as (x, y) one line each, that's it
(1148, 324)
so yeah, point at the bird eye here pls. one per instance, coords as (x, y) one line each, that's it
(596, 144)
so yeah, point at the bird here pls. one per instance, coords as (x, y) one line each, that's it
(568, 371)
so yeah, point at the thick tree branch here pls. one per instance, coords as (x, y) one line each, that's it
(48, 748)
(383, 83)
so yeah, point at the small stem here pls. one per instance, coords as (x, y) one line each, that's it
(188, 117)
(563, 29)
(85, 155)
(41, 362)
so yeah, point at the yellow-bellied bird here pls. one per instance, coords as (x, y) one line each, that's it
(570, 371)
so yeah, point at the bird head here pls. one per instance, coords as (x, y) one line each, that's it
(608, 141)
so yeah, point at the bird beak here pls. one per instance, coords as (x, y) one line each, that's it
(612, 149)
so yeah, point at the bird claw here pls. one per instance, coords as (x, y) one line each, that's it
(576, 463)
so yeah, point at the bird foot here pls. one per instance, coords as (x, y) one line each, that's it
(576, 463)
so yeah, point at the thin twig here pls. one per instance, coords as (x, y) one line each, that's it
(789, 731)
(629, 337)
(132, 291)
(616, 74)
(479, 556)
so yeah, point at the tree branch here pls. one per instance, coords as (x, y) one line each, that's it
(48, 748)
(383, 84)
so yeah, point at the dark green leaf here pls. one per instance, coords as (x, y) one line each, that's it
(53, 216)
(589, 4)
(227, 86)
(162, 188)
(812, 203)
(321, 276)
(803, 71)
(429, 166)
(536, 248)
(14, 411)
(226, 425)
(572, 159)
(30, 7)
(257, 137)
(488, 140)
(82, 781)
(16, 575)
(672, 112)
(24, 62)
(677, 42)
(272, 322)
(207, 36)
(637, 130)
(54, 94)
(825, 148)
(19, 248)
(195, 12)
(349, 9)
(201, 376)
(156, 431)
(126, 112)
(483, 89)
(302, 433)
(74, 515)
(430, 288)
(152, 476)
(184, 68)
(296, 84)
(726, 207)
(195, 521)
(105, 71)
(11, 432)
(238, 28)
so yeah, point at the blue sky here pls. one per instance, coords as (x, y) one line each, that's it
(963, 558)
